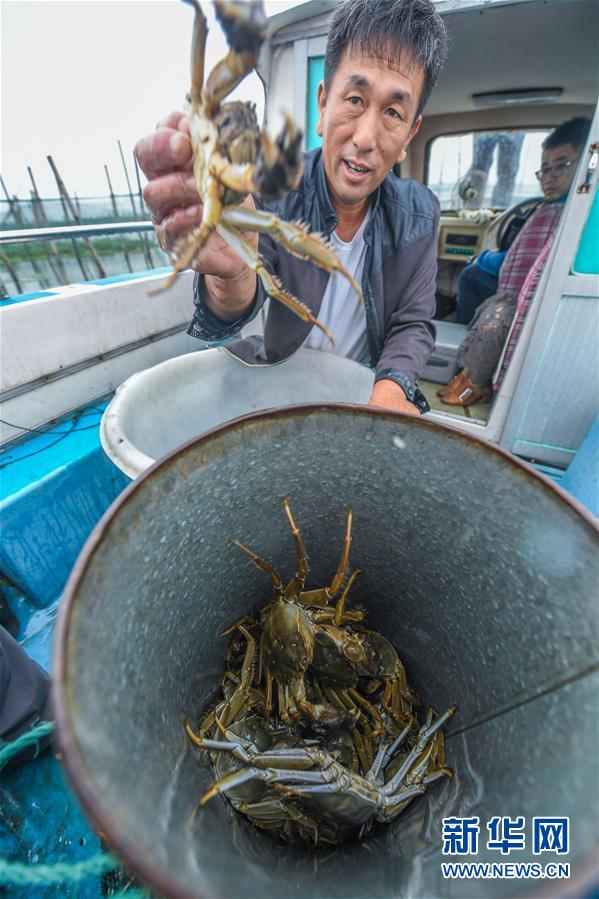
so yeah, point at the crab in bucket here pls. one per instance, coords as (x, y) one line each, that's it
(233, 157)
(295, 744)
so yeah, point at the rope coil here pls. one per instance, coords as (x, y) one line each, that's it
(22, 874)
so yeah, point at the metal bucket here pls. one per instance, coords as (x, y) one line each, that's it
(164, 406)
(482, 573)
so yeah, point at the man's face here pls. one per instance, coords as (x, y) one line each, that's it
(367, 119)
(559, 175)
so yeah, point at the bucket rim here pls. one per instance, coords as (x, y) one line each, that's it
(120, 842)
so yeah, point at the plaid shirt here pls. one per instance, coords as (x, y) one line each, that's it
(527, 246)
(531, 280)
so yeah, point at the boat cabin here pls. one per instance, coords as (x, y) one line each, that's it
(515, 71)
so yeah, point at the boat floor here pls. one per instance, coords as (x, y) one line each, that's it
(479, 411)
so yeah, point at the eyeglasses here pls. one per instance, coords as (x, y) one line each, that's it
(557, 170)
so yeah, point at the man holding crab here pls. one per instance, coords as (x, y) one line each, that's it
(382, 60)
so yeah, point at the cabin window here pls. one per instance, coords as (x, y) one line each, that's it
(484, 169)
(315, 76)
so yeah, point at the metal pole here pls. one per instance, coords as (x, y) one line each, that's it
(127, 180)
(69, 202)
(13, 204)
(29, 235)
(148, 258)
(42, 221)
(117, 216)
(142, 208)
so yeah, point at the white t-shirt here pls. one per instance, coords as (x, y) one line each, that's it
(341, 310)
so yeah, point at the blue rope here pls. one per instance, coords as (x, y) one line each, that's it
(29, 738)
(21, 874)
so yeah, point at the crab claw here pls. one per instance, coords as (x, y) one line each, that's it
(243, 23)
(279, 163)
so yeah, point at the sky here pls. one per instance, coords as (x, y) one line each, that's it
(78, 75)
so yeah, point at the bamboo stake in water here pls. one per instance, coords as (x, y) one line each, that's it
(74, 243)
(11, 270)
(148, 258)
(13, 205)
(42, 222)
(117, 217)
(143, 209)
(63, 192)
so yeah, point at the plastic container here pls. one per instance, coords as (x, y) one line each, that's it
(162, 407)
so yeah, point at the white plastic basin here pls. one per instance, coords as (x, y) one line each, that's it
(160, 408)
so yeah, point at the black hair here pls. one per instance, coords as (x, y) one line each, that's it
(574, 131)
(386, 29)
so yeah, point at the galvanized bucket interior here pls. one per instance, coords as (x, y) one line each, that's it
(482, 574)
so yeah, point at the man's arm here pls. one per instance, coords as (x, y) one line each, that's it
(410, 335)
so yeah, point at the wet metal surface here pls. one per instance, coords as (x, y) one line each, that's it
(479, 571)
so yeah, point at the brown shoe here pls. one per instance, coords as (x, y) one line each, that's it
(465, 394)
(456, 381)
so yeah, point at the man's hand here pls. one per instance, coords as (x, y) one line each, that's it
(165, 157)
(389, 395)
(166, 160)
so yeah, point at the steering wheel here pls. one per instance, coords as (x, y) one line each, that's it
(513, 219)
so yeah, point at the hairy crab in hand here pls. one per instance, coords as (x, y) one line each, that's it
(232, 158)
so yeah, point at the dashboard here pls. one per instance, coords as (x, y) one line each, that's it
(459, 240)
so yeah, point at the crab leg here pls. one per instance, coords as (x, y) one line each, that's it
(244, 25)
(277, 776)
(340, 608)
(294, 236)
(192, 243)
(423, 737)
(267, 693)
(245, 619)
(273, 286)
(233, 780)
(370, 708)
(296, 584)
(385, 753)
(315, 597)
(198, 50)
(323, 616)
(236, 176)
(389, 807)
(239, 698)
(265, 566)
(225, 76)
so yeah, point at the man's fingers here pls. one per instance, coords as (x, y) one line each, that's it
(169, 192)
(173, 227)
(177, 120)
(215, 258)
(162, 152)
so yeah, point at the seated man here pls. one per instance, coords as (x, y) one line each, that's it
(479, 280)
(480, 351)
